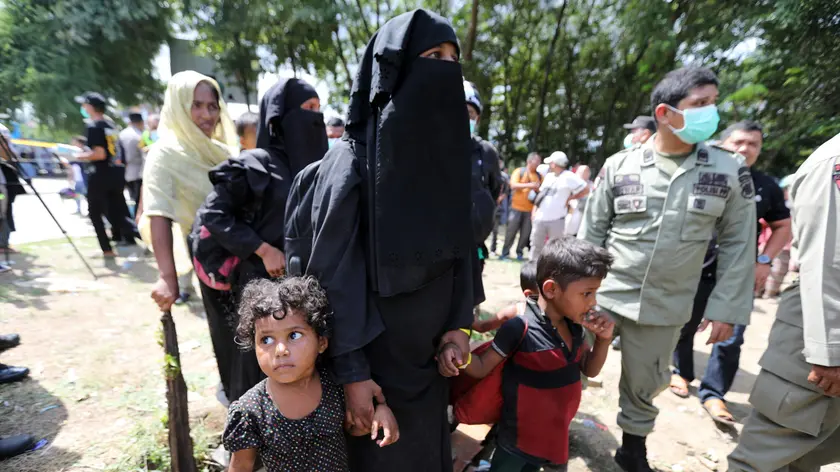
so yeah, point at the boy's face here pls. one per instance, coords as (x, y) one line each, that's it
(287, 349)
(248, 140)
(576, 300)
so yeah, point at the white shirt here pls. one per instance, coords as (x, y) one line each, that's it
(558, 188)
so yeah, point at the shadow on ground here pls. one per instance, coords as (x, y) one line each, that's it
(27, 407)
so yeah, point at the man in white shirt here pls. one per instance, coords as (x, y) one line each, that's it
(557, 189)
(133, 158)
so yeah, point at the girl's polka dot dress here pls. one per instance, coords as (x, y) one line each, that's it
(313, 443)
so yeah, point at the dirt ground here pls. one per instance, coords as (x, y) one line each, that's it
(96, 392)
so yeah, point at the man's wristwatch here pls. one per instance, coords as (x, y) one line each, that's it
(763, 259)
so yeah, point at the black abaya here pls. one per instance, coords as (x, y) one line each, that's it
(246, 209)
(397, 269)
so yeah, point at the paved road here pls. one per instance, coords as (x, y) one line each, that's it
(33, 221)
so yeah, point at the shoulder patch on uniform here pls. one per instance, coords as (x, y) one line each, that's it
(702, 156)
(746, 181)
(647, 157)
(836, 175)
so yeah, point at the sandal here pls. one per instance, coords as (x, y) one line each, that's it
(679, 386)
(716, 408)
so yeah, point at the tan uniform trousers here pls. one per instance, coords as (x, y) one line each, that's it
(792, 428)
(646, 352)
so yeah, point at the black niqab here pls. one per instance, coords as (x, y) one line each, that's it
(409, 112)
(296, 136)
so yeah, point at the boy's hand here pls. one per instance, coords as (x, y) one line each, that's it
(449, 358)
(384, 419)
(600, 324)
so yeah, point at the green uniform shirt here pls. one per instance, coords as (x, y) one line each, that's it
(656, 215)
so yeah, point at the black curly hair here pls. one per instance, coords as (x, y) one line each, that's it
(263, 297)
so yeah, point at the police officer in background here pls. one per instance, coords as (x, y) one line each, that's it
(641, 129)
(655, 211)
(795, 421)
(487, 176)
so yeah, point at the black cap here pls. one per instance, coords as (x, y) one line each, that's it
(92, 98)
(642, 122)
(336, 122)
(135, 117)
(472, 96)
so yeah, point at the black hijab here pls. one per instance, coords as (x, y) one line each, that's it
(289, 133)
(408, 126)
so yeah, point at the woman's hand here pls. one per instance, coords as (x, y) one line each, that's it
(359, 399)
(165, 292)
(273, 259)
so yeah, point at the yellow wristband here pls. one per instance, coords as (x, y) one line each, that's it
(465, 364)
(466, 331)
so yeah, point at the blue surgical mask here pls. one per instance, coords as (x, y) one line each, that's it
(699, 123)
(84, 112)
(331, 142)
(472, 126)
(628, 141)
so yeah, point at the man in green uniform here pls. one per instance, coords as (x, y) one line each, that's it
(795, 422)
(655, 210)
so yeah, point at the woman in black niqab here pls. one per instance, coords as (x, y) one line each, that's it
(392, 241)
(243, 218)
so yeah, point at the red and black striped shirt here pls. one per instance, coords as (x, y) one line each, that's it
(541, 386)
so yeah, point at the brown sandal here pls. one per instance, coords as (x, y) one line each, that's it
(716, 408)
(679, 386)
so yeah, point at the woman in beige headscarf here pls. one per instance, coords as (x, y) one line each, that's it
(196, 134)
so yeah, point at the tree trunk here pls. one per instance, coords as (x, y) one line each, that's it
(472, 31)
(339, 46)
(180, 442)
(546, 74)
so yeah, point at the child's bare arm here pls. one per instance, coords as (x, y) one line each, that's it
(602, 326)
(594, 360)
(478, 366)
(483, 364)
(243, 460)
(506, 313)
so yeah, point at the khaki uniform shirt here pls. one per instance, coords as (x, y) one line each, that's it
(656, 216)
(815, 192)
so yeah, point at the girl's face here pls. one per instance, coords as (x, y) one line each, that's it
(287, 348)
(313, 104)
(443, 51)
(205, 108)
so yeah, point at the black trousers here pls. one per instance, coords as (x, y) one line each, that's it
(238, 369)
(134, 187)
(105, 197)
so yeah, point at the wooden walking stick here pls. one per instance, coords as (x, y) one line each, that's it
(180, 442)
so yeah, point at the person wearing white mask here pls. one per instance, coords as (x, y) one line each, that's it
(557, 189)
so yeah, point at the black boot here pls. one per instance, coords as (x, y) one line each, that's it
(14, 445)
(10, 373)
(8, 341)
(632, 455)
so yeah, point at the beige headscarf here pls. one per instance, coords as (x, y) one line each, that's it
(175, 181)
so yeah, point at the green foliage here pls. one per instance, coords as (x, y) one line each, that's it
(554, 74)
(53, 51)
